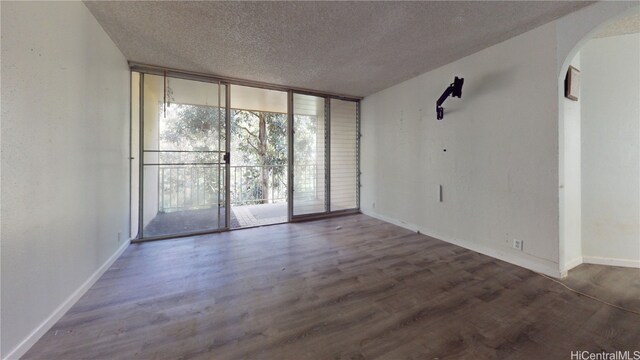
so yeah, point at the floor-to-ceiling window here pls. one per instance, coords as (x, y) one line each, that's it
(210, 155)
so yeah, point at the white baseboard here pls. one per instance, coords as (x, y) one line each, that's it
(36, 334)
(528, 262)
(611, 261)
(573, 263)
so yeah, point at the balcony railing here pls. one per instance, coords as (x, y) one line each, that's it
(263, 184)
(187, 187)
(196, 187)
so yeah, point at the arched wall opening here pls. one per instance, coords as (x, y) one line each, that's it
(599, 137)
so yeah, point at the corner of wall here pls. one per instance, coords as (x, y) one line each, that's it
(572, 32)
(57, 314)
(73, 160)
(571, 264)
(597, 260)
(528, 262)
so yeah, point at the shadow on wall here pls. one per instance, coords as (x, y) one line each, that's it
(487, 84)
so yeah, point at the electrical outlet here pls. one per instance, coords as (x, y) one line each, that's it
(518, 244)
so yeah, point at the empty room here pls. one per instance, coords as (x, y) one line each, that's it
(320, 180)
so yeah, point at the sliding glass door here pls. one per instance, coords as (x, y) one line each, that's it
(259, 161)
(184, 154)
(210, 156)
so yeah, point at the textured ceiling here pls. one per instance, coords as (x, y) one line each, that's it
(351, 48)
(626, 25)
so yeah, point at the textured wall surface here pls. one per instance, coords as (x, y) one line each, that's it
(65, 123)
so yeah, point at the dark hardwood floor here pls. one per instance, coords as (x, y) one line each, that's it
(344, 288)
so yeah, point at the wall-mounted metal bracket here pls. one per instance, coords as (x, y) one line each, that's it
(455, 90)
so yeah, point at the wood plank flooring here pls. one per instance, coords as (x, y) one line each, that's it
(344, 288)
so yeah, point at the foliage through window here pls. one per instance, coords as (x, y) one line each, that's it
(258, 155)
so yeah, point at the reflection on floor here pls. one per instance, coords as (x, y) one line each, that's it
(262, 214)
(350, 287)
(188, 221)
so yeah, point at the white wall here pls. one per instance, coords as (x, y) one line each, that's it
(499, 171)
(572, 178)
(610, 98)
(504, 170)
(65, 123)
(572, 32)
